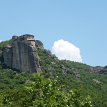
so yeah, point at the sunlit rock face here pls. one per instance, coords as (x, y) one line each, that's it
(22, 54)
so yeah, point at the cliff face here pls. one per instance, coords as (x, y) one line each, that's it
(22, 54)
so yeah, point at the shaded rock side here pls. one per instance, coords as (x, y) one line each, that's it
(99, 69)
(22, 54)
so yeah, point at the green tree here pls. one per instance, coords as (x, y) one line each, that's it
(44, 92)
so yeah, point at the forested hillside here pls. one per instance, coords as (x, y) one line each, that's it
(60, 83)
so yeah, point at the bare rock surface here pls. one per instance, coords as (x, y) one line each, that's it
(22, 54)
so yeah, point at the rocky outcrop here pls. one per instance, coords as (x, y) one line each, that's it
(99, 69)
(39, 44)
(22, 54)
(104, 70)
(96, 68)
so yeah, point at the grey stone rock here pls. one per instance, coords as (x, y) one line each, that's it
(99, 69)
(96, 81)
(22, 54)
(39, 44)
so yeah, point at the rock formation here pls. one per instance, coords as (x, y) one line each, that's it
(99, 69)
(22, 54)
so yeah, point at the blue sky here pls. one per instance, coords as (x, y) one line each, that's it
(81, 22)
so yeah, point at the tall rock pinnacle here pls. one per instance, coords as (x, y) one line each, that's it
(22, 54)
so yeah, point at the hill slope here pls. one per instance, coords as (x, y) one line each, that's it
(72, 75)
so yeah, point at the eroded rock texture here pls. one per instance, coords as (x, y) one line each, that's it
(22, 54)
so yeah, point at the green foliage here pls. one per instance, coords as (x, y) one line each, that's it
(75, 75)
(4, 43)
(44, 92)
(10, 79)
(74, 82)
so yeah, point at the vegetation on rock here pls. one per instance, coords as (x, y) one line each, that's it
(61, 83)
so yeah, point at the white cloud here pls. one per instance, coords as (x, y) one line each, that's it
(66, 50)
(0, 40)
